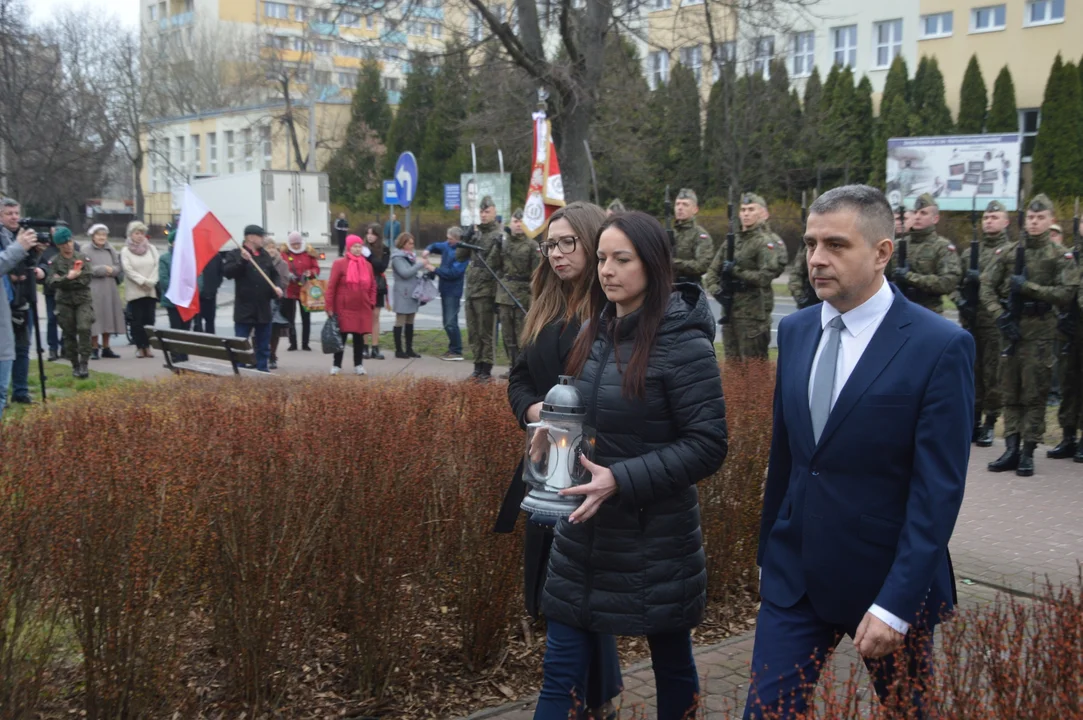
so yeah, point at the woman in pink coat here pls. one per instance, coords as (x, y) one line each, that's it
(351, 296)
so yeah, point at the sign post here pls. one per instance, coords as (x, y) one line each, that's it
(406, 182)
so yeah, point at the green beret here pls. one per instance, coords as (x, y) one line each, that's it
(171, 237)
(753, 199)
(995, 206)
(925, 200)
(61, 236)
(486, 202)
(688, 194)
(1039, 203)
(616, 206)
(518, 214)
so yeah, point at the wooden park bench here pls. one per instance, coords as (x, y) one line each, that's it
(232, 354)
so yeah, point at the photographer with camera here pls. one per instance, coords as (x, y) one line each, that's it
(23, 304)
(15, 248)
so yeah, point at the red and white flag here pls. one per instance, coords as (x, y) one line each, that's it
(546, 191)
(200, 236)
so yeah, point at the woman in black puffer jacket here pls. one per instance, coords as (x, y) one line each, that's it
(630, 561)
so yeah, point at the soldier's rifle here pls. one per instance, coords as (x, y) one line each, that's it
(903, 264)
(1008, 322)
(972, 279)
(725, 298)
(1068, 320)
(667, 206)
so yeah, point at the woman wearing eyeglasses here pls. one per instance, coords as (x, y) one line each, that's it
(630, 560)
(562, 291)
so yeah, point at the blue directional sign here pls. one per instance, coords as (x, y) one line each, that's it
(406, 178)
(452, 196)
(391, 197)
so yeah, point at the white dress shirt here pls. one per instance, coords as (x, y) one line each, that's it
(861, 324)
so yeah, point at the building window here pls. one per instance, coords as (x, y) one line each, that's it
(370, 22)
(163, 167)
(152, 164)
(1029, 122)
(804, 53)
(180, 165)
(988, 19)
(436, 30)
(692, 58)
(300, 13)
(727, 53)
(391, 84)
(475, 26)
(265, 142)
(246, 135)
(349, 20)
(196, 156)
(299, 44)
(845, 40)
(278, 42)
(231, 152)
(212, 153)
(322, 78)
(322, 47)
(659, 68)
(653, 5)
(153, 12)
(278, 11)
(1043, 12)
(686, 3)
(938, 25)
(763, 51)
(415, 28)
(347, 79)
(888, 41)
(347, 49)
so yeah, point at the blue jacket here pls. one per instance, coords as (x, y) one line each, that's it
(864, 516)
(451, 271)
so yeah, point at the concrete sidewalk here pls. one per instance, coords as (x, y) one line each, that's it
(1012, 533)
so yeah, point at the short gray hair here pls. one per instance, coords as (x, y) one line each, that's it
(10, 202)
(135, 226)
(875, 218)
(455, 232)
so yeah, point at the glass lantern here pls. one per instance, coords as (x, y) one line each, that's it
(553, 448)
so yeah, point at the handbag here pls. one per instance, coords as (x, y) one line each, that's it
(314, 294)
(331, 338)
(425, 290)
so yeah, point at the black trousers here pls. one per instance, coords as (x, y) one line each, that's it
(358, 349)
(177, 323)
(204, 321)
(290, 308)
(142, 312)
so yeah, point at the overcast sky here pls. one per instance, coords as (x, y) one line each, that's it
(126, 10)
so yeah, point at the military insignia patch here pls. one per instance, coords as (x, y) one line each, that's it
(771, 246)
(1070, 256)
(998, 251)
(952, 248)
(703, 236)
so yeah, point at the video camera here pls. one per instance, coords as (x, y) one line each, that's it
(39, 227)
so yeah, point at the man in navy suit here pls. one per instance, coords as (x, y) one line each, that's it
(872, 422)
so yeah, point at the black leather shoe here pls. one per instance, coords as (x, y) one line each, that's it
(986, 436)
(1010, 459)
(23, 399)
(1066, 449)
(1026, 460)
(53, 356)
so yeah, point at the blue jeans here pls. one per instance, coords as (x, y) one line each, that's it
(450, 306)
(262, 344)
(567, 664)
(792, 645)
(20, 371)
(5, 378)
(52, 334)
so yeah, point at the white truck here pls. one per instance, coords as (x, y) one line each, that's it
(280, 201)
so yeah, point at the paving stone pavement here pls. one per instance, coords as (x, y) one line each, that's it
(1012, 533)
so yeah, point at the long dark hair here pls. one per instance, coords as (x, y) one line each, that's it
(652, 246)
(378, 246)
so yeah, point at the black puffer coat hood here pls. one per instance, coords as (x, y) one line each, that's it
(637, 567)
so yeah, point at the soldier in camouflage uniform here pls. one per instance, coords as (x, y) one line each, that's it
(994, 224)
(933, 269)
(782, 255)
(514, 259)
(692, 245)
(804, 295)
(481, 290)
(70, 274)
(1050, 278)
(754, 267)
(1070, 413)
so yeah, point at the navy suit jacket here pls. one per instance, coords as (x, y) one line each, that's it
(864, 516)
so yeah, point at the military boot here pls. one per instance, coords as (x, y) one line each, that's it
(1026, 460)
(397, 332)
(1010, 459)
(1079, 453)
(1067, 447)
(477, 371)
(987, 434)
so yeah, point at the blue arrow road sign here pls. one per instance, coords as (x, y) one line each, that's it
(406, 178)
(390, 196)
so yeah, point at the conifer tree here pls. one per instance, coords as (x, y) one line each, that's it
(352, 168)
(1057, 162)
(973, 100)
(683, 130)
(442, 129)
(894, 118)
(407, 131)
(863, 129)
(930, 108)
(1003, 115)
(811, 151)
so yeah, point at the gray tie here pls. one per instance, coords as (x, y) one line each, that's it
(823, 382)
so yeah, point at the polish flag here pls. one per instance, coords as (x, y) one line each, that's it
(200, 236)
